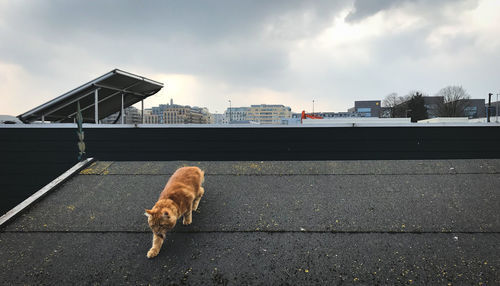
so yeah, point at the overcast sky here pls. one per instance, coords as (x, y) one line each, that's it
(252, 52)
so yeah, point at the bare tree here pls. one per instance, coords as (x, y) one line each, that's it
(455, 101)
(390, 103)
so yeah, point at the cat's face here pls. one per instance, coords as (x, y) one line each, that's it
(160, 221)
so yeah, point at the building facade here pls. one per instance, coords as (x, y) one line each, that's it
(332, 114)
(476, 108)
(158, 112)
(178, 114)
(494, 109)
(432, 104)
(236, 114)
(218, 118)
(150, 118)
(181, 114)
(131, 116)
(367, 108)
(269, 114)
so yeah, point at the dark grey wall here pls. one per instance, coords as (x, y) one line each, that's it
(32, 157)
(374, 105)
(479, 105)
(432, 104)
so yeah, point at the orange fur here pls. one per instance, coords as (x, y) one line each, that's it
(180, 197)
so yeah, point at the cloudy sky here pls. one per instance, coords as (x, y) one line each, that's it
(274, 52)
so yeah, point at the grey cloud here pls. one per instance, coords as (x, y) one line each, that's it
(203, 37)
(366, 8)
(241, 43)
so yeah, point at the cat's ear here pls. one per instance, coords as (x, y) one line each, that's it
(147, 213)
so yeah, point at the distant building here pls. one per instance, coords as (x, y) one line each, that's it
(208, 116)
(476, 108)
(493, 109)
(150, 118)
(181, 114)
(158, 111)
(327, 115)
(178, 114)
(367, 108)
(269, 114)
(218, 118)
(236, 114)
(131, 116)
(432, 104)
(294, 120)
(357, 120)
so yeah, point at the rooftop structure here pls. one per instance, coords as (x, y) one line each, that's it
(267, 222)
(9, 119)
(98, 98)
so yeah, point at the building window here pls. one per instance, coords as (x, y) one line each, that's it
(471, 111)
(365, 110)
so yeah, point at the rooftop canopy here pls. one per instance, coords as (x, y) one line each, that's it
(99, 98)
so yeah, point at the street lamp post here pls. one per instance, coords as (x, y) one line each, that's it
(313, 107)
(230, 112)
(489, 105)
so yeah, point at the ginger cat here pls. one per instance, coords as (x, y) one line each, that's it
(180, 197)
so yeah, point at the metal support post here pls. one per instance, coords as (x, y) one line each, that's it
(123, 112)
(43, 118)
(142, 111)
(96, 106)
(489, 106)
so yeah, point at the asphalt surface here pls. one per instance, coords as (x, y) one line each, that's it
(268, 223)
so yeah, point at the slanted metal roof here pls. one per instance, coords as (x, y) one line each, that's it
(110, 88)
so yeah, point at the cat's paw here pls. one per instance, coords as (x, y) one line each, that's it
(152, 253)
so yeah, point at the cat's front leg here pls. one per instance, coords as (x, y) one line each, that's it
(155, 249)
(188, 217)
